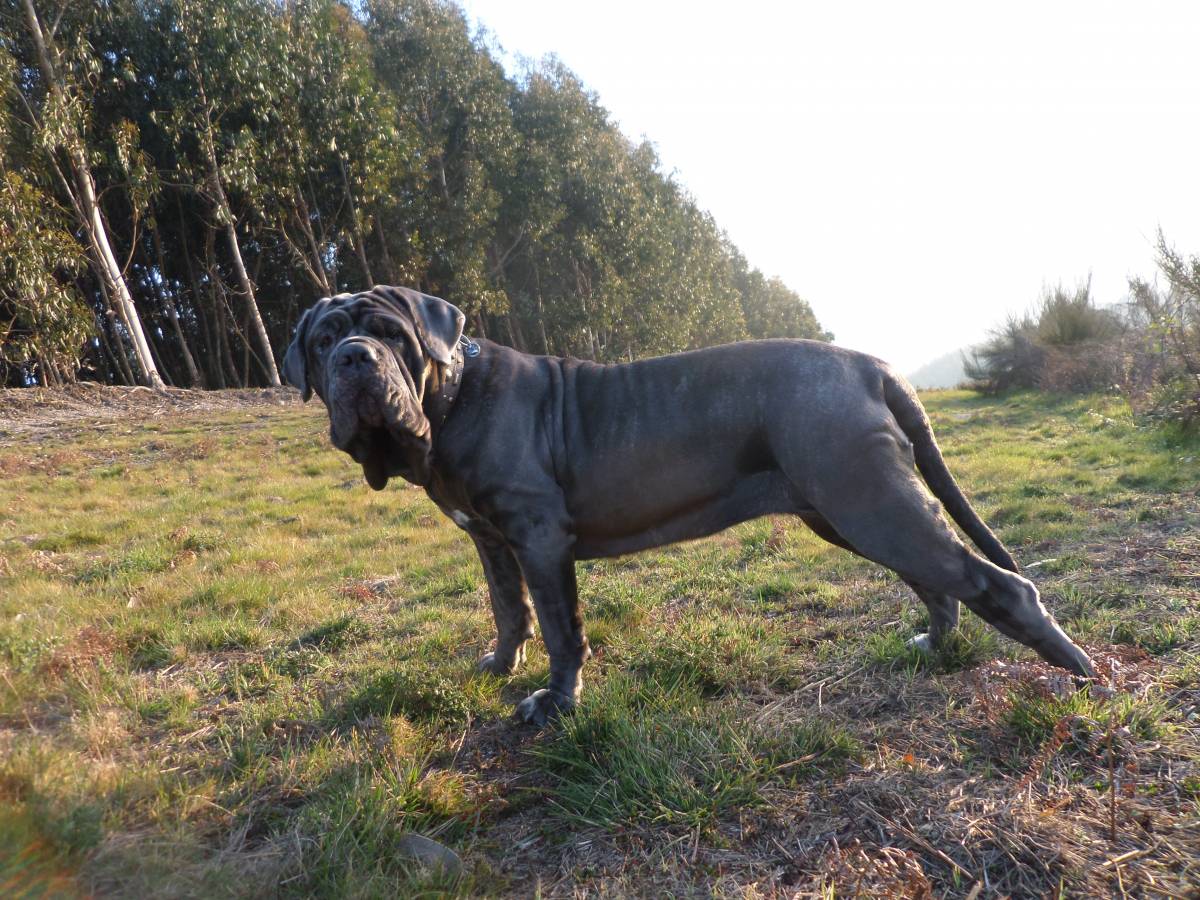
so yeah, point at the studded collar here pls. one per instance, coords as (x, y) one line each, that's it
(442, 400)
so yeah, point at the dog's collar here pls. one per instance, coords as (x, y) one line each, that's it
(443, 398)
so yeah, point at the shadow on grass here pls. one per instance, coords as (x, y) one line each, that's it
(653, 751)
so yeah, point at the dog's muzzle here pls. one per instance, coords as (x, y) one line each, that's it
(374, 415)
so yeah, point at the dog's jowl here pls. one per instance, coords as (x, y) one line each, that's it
(543, 461)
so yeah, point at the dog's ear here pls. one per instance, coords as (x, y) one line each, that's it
(439, 324)
(295, 370)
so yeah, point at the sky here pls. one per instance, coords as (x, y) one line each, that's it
(916, 171)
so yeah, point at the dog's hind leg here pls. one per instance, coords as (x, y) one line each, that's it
(943, 618)
(943, 609)
(1011, 603)
(881, 509)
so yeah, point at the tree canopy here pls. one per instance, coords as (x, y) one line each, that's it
(180, 178)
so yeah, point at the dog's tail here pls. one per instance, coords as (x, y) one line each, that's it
(910, 415)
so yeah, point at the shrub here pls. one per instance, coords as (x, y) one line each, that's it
(1170, 323)
(1083, 368)
(1053, 348)
(1007, 360)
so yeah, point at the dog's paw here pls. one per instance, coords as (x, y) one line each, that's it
(496, 663)
(543, 706)
(493, 665)
(1080, 665)
(923, 642)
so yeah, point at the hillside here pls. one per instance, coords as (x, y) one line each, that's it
(227, 668)
(944, 372)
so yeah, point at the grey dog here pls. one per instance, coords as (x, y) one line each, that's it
(544, 460)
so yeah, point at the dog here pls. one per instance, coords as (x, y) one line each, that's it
(545, 460)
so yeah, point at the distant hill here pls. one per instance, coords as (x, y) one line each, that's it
(944, 372)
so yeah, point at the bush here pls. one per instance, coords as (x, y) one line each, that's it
(1170, 323)
(1147, 349)
(1066, 345)
(1010, 358)
(1083, 368)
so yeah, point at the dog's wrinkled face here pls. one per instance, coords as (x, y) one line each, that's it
(368, 356)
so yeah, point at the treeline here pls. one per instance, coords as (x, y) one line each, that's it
(1146, 347)
(179, 178)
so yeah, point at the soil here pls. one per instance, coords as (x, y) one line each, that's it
(34, 411)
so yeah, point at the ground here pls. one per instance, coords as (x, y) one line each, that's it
(227, 668)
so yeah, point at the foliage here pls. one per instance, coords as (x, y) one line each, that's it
(1010, 358)
(1171, 322)
(1147, 348)
(250, 156)
(1062, 346)
(43, 320)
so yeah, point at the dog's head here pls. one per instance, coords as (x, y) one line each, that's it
(369, 356)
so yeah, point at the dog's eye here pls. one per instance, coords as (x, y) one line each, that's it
(389, 331)
(324, 342)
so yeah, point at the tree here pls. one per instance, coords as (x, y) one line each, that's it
(245, 156)
(1171, 319)
(230, 53)
(44, 319)
(456, 96)
(61, 132)
(1067, 344)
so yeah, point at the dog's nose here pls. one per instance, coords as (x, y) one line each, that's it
(355, 353)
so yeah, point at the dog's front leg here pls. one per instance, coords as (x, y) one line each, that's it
(510, 604)
(548, 564)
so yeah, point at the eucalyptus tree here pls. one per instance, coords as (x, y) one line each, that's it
(343, 150)
(455, 94)
(612, 259)
(770, 307)
(561, 223)
(44, 320)
(53, 84)
(268, 151)
(231, 65)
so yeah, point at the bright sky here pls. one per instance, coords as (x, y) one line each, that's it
(914, 170)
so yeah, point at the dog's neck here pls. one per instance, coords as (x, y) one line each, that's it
(444, 382)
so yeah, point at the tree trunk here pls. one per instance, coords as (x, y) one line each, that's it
(110, 316)
(383, 249)
(189, 361)
(212, 363)
(163, 369)
(119, 350)
(512, 333)
(223, 329)
(360, 246)
(316, 271)
(112, 367)
(225, 214)
(217, 303)
(267, 360)
(45, 373)
(92, 221)
(245, 361)
(541, 309)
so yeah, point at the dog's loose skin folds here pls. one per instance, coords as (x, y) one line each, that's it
(543, 461)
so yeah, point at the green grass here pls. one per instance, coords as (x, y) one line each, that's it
(227, 668)
(1033, 716)
(652, 752)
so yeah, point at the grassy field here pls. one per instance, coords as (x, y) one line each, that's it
(227, 668)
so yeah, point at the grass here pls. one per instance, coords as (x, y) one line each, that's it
(227, 668)
(645, 752)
